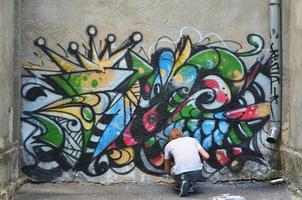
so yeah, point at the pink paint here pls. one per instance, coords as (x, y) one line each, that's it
(127, 137)
(150, 119)
(147, 88)
(221, 97)
(112, 146)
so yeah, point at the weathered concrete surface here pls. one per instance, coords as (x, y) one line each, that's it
(9, 156)
(75, 191)
(291, 145)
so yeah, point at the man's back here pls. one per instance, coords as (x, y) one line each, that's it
(184, 151)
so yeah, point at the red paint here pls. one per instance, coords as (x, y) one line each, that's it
(158, 160)
(222, 157)
(127, 137)
(248, 113)
(237, 150)
(235, 114)
(211, 83)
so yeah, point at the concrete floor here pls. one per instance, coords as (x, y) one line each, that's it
(205, 191)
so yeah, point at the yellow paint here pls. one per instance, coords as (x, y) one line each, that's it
(132, 97)
(162, 72)
(110, 62)
(75, 111)
(184, 55)
(42, 68)
(263, 109)
(179, 78)
(122, 156)
(238, 84)
(234, 163)
(141, 70)
(64, 64)
(90, 65)
(237, 74)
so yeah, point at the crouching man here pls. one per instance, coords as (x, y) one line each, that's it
(182, 160)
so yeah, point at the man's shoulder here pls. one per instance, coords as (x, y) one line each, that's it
(189, 138)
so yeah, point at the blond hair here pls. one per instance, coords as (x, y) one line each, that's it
(175, 133)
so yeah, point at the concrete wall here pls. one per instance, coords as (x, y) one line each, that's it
(9, 154)
(291, 137)
(103, 112)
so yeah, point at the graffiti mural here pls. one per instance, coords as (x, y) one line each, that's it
(100, 107)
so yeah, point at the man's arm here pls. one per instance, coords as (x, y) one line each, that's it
(167, 166)
(203, 153)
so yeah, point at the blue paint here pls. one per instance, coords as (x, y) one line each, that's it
(188, 73)
(219, 115)
(223, 126)
(186, 134)
(192, 124)
(180, 124)
(208, 126)
(166, 62)
(207, 142)
(197, 135)
(218, 137)
(114, 129)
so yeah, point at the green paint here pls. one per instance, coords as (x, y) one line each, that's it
(87, 113)
(170, 108)
(246, 129)
(86, 138)
(63, 84)
(178, 99)
(229, 64)
(85, 78)
(94, 83)
(190, 111)
(207, 59)
(150, 142)
(53, 134)
(219, 59)
(141, 67)
(234, 137)
(75, 80)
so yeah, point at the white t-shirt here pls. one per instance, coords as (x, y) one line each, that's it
(184, 150)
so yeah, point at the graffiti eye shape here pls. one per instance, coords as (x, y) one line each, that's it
(206, 97)
(34, 93)
(87, 113)
(151, 119)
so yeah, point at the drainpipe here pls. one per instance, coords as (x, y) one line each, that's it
(275, 71)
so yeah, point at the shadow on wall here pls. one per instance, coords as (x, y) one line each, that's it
(95, 107)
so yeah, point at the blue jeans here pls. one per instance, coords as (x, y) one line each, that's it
(189, 176)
